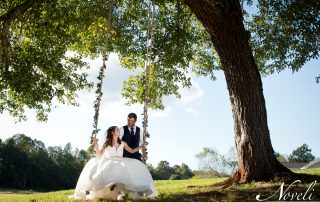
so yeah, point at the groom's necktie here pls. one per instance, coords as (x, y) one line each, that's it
(131, 136)
(131, 132)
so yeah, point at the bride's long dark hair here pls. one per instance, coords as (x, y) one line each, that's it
(109, 138)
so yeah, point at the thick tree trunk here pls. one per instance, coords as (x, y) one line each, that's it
(224, 22)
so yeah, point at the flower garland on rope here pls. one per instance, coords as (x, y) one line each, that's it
(146, 134)
(99, 93)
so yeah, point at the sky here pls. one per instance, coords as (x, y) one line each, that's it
(201, 118)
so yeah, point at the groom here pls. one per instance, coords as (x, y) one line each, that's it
(131, 135)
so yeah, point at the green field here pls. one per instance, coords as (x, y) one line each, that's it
(184, 190)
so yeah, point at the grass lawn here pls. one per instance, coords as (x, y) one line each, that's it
(189, 190)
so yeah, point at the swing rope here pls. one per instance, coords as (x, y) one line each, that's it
(151, 10)
(148, 64)
(105, 57)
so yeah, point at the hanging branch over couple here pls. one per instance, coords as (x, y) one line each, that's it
(117, 169)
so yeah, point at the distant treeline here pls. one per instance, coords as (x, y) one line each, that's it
(164, 171)
(26, 163)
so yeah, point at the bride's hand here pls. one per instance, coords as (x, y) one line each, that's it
(95, 141)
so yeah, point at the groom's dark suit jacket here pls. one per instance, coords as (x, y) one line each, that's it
(132, 142)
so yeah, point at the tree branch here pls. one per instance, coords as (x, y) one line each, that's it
(7, 19)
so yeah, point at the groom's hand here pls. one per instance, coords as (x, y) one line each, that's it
(142, 145)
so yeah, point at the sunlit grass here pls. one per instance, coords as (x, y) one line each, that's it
(180, 190)
(311, 171)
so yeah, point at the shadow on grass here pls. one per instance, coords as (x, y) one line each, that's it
(211, 190)
(16, 191)
(297, 187)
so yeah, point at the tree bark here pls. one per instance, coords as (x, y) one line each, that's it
(224, 22)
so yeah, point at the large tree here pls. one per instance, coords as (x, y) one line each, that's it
(224, 22)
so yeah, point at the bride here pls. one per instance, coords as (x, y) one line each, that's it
(111, 176)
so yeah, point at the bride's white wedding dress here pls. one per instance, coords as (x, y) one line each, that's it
(113, 176)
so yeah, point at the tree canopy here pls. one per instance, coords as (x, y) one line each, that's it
(285, 34)
(37, 35)
(211, 161)
(301, 154)
(34, 66)
(39, 68)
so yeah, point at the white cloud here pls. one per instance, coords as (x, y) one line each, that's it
(190, 99)
(191, 94)
(161, 113)
(191, 110)
(117, 111)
